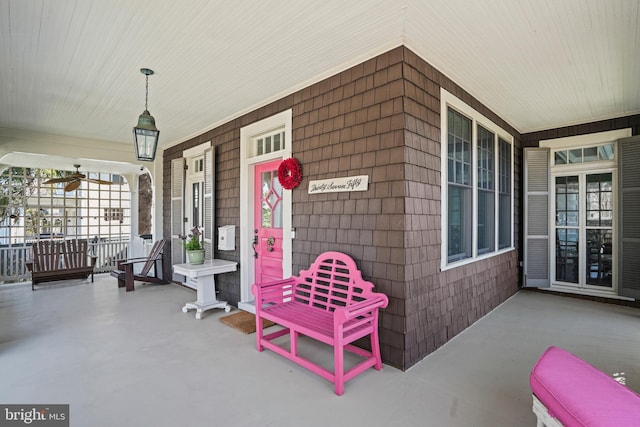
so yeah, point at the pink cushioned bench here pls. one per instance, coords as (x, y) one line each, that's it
(569, 392)
(329, 302)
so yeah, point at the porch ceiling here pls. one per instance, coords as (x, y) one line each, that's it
(72, 67)
(32, 160)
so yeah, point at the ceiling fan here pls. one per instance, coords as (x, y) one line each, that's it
(75, 179)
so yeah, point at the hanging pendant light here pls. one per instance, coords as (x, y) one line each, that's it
(146, 133)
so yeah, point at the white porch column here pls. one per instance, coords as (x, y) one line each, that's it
(132, 180)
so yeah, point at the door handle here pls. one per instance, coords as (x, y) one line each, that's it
(254, 244)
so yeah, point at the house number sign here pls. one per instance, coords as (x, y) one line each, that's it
(334, 185)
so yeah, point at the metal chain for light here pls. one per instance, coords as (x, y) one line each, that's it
(146, 94)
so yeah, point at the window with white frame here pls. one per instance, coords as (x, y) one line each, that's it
(198, 165)
(477, 198)
(459, 187)
(269, 142)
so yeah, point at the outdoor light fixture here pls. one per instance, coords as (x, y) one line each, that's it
(146, 133)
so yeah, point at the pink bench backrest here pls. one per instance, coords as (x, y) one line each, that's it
(333, 280)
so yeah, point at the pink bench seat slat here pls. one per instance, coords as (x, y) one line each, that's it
(317, 324)
(329, 302)
(577, 394)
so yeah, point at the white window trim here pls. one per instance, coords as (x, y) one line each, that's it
(584, 141)
(196, 151)
(449, 100)
(587, 140)
(598, 138)
(247, 163)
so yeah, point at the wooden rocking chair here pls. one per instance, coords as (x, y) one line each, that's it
(124, 271)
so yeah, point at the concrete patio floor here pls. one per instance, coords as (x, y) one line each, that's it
(134, 359)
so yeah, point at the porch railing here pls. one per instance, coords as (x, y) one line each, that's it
(13, 259)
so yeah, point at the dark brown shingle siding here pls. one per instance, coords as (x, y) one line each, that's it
(380, 118)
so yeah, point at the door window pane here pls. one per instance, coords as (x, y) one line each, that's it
(276, 142)
(195, 203)
(575, 156)
(560, 157)
(269, 143)
(277, 206)
(605, 152)
(599, 200)
(259, 146)
(599, 258)
(271, 200)
(591, 154)
(567, 201)
(266, 209)
(567, 255)
(584, 155)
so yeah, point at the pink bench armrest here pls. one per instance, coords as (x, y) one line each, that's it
(342, 314)
(273, 292)
(577, 394)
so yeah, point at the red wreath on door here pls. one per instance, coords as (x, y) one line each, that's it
(289, 173)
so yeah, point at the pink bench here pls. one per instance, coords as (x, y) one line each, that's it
(329, 302)
(569, 392)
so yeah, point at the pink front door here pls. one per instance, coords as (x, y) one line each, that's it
(267, 239)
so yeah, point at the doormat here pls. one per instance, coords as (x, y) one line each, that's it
(244, 321)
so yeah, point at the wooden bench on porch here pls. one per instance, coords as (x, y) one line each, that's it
(329, 302)
(60, 260)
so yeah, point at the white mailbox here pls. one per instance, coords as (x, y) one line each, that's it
(227, 238)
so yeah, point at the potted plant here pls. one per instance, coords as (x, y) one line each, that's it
(194, 246)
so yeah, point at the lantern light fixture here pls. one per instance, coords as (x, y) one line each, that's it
(145, 133)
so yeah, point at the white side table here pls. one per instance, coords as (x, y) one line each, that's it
(206, 285)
